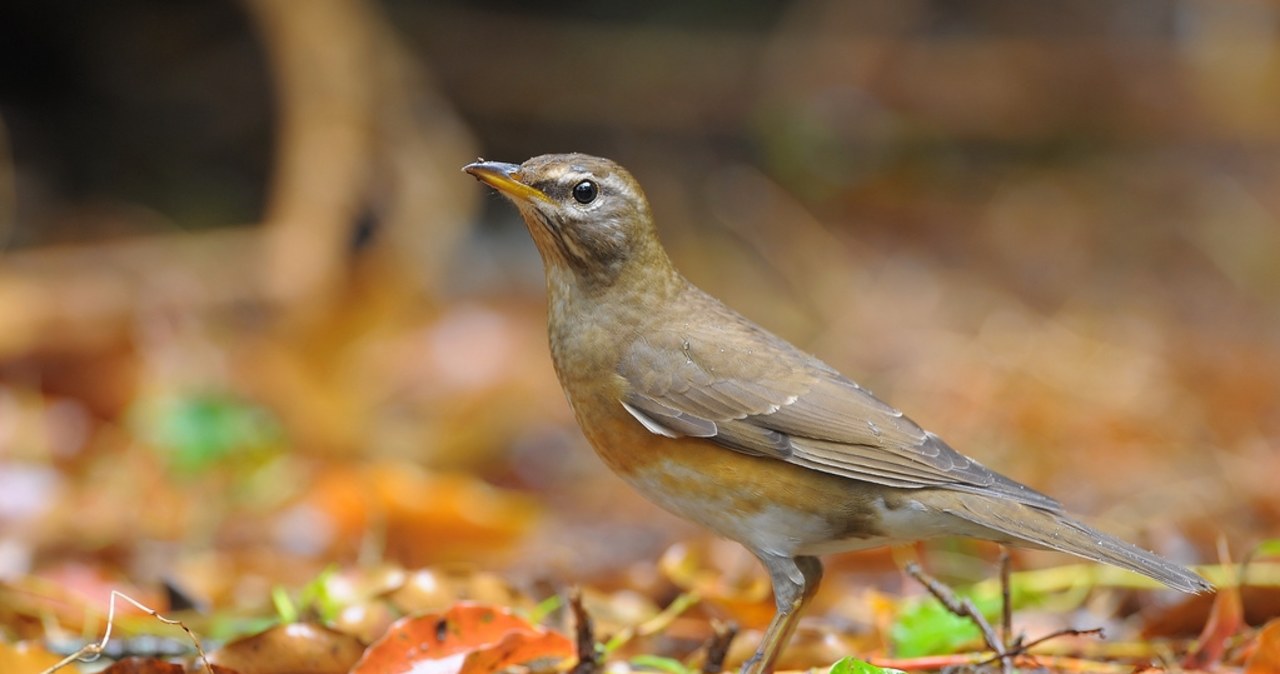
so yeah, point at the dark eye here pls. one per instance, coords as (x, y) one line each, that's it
(585, 192)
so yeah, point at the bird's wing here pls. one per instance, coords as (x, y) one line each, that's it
(748, 390)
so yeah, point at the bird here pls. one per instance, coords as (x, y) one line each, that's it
(719, 421)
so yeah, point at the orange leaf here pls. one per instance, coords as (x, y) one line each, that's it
(25, 658)
(461, 519)
(1266, 655)
(445, 643)
(518, 649)
(1225, 619)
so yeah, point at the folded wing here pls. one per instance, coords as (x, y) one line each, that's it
(735, 384)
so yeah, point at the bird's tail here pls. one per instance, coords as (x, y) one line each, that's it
(1025, 525)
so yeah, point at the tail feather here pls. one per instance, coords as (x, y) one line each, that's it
(1028, 525)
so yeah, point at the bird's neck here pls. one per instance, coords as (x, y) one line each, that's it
(587, 318)
(631, 289)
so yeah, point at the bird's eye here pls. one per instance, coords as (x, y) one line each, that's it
(585, 192)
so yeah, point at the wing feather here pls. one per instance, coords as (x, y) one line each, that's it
(732, 382)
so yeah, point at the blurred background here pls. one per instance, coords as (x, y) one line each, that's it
(253, 318)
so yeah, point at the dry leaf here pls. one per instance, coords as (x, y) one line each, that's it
(25, 657)
(1266, 655)
(1225, 620)
(470, 638)
(134, 665)
(297, 647)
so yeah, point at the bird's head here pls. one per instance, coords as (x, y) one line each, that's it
(587, 215)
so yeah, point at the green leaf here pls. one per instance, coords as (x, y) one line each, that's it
(317, 597)
(660, 664)
(544, 608)
(928, 628)
(224, 627)
(196, 431)
(925, 627)
(285, 607)
(851, 665)
(1268, 548)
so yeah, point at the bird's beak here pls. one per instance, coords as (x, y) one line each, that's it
(501, 177)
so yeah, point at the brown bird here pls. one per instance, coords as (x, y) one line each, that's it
(721, 422)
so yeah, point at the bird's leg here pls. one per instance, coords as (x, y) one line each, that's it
(795, 580)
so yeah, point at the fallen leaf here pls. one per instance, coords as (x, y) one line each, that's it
(854, 666)
(924, 627)
(25, 657)
(296, 647)
(1266, 655)
(723, 573)
(74, 595)
(134, 665)
(518, 648)
(1225, 619)
(470, 638)
(428, 517)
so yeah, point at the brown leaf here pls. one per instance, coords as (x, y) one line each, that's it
(284, 649)
(135, 665)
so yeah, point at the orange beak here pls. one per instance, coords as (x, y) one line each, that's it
(502, 177)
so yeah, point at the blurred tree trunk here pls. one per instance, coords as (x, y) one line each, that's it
(364, 148)
(366, 156)
(364, 210)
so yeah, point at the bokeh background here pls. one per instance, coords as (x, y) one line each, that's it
(254, 320)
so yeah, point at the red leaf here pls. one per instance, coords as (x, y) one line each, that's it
(447, 643)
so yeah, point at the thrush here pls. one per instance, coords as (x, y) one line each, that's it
(721, 422)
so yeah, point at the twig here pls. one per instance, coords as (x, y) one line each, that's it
(965, 609)
(1050, 662)
(718, 646)
(1022, 648)
(91, 652)
(588, 656)
(1006, 601)
(1005, 652)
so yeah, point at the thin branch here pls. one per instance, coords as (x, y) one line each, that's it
(965, 609)
(718, 646)
(588, 655)
(1006, 599)
(1005, 652)
(1067, 632)
(91, 652)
